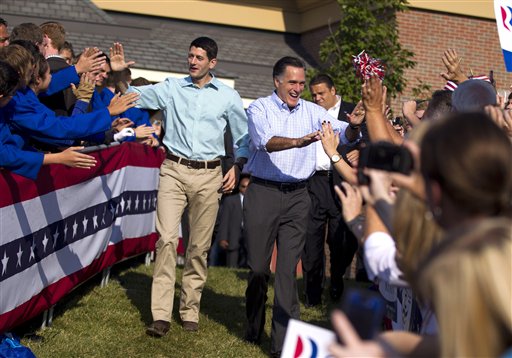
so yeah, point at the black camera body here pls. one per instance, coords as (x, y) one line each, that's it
(384, 156)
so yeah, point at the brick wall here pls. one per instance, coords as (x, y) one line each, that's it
(428, 35)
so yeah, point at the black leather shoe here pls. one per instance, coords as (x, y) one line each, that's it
(158, 328)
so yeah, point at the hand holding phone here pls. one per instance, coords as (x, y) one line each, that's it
(365, 310)
(384, 156)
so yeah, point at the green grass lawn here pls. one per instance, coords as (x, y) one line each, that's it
(110, 321)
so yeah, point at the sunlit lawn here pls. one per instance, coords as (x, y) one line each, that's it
(110, 321)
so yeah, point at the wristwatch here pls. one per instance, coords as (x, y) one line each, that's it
(335, 158)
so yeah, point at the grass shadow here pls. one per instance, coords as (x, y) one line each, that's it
(137, 287)
(229, 311)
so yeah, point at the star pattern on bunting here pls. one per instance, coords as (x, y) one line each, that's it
(80, 225)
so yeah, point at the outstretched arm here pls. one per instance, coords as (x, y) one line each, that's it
(276, 144)
(374, 99)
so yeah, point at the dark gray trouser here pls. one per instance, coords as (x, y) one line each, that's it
(270, 215)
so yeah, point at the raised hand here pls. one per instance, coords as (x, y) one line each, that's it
(357, 116)
(451, 61)
(330, 139)
(85, 88)
(91, 60)
(117, 61)
(119, 103)
(351, 200)
(373, 95)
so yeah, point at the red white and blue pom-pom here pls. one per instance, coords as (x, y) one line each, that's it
(367, 66)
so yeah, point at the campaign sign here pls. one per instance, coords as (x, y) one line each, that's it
(306, 340)
(503, 13)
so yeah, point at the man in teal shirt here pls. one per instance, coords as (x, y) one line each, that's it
(197, 110)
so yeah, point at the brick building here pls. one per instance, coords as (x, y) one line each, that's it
(429, 32)
(253, 34)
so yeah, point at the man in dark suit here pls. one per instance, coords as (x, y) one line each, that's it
(230, 234)
(325, 211)
(61, 103)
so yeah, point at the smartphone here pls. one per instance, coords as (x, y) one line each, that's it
(365, 309)
(386, 156)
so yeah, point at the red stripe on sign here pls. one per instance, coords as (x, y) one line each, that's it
(15, 188)
(53, 293)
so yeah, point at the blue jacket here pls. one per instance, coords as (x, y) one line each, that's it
(29, 118)
(136, 115)
(13, 158)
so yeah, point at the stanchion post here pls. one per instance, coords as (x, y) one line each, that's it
(105, 277)
(45, 318)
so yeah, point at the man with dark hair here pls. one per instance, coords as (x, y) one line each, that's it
(276, 205)
(325, 209)
(30, 32)
(4, 34)
(439, 105)
(197, 110)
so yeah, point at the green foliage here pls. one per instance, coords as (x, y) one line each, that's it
(422, 90)
(371, 26)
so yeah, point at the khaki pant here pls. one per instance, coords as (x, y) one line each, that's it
(181, 186)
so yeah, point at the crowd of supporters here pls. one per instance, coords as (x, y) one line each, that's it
(441, 228)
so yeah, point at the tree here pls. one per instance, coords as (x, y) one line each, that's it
(371, 26)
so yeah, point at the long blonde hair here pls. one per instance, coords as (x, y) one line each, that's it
(468, 281)
(414, 231)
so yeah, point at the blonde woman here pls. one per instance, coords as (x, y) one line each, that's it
(468, 280)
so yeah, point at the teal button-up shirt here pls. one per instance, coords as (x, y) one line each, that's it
(196, 118)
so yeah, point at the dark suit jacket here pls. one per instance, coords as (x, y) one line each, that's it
(61, 103)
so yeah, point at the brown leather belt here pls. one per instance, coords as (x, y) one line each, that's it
(194, 164)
